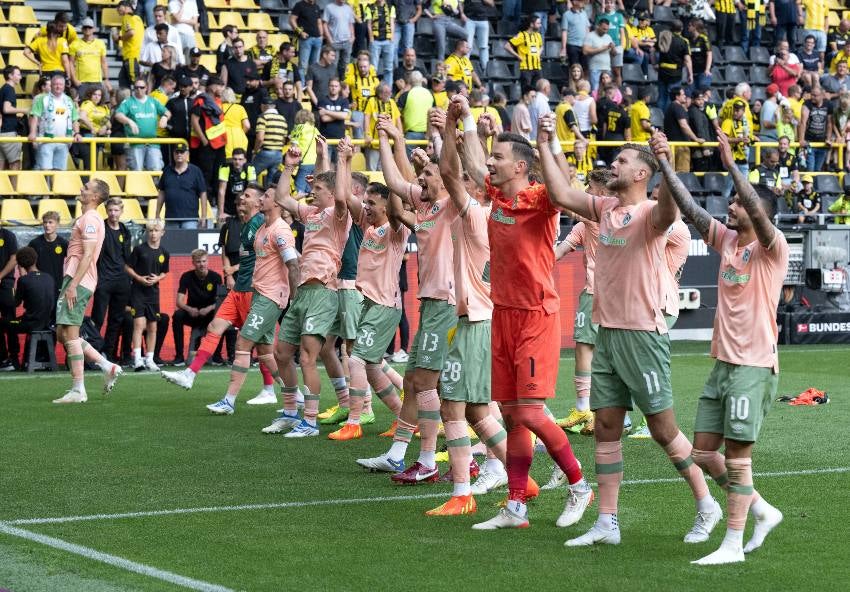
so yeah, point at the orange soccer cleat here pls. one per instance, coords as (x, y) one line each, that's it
(350, 431)
(390, 433)
(456, 506)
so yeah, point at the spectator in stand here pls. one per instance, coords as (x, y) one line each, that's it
(96, 123)
(674, 61)
(527, 47)
(54, 115)
(304, 136)
(237, 69)
(678, 129)
(408, 64)
(281, 70)
(839, 129)
(702, 127)
(784, 17)
(521, 118)
(789, 173)
(816, 23)
(185, 17)
(10, 152)
(155, 38)
(605, 80)
(50, 53)
(767, 173)
(566, 126)
(639, 115)
(701, 56)
(617, 32)
(726, 13)
(147, 267)
(287, 105)
(478, 14)
(262, 53)
(812, 63)
(179, 107)
(614, 123)
(576, 75)
(88, 61)
(113, 283)
(414, 105)
(252, 102)
(835, 84)
(225, 50)
(8, 248)
(381, 17)
(333, 111)
(640, 44)
(36, 291)
(270, 140)
(814, 124)
(50, 248)
(841, 206)
(208, 137)
(194, 68)
(165, 67)
(540, 105)
(196, 302)
(445, 15)
(438, 91)
(575, 25)
(130, 36)
(233, 179)
(807, 202)
(408, 13)
(382, 105)
(66, 29)
(784, 67)
(236, 123)
(599, 47)
(459, 67)
(306, 21)
(338, 30)
(141, 116)
(182, 191)
(838, 38)
(321, 73)
(363, 84)
(769, 115)
(361, 34)
(753, 20)
(146, 7)
(479, 104)
(740, 137)
(584, 108)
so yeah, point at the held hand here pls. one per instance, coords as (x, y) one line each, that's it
(486, 125)
(292, 157)
(438, 118)
(725, 150)
(464, 104)
(321, 145)
(344, 149)
(419, 158)
(545, 129)
(660, 147)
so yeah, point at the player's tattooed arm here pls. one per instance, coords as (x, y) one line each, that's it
(748, 197)
(673, 187)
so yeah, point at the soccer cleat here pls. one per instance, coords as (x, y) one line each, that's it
(504, 519)
(349, 431)
(72, 396)
(180, 378)
(221, 407)
(704, 523)
(263, 398)
(302, 430)
(442, 456)
(456, 506)
(150, 365)
(474, 471)
(575, 419)
(178, 362)
(763, 525)
(416, 473)
(390, 432)
(627, 424)
(488, 481)
(282, 422)
(338, 416)
(328, 412)
(367, 418)
(641, 432)
(722, 556)
(557, 479)
(532, 489)
(139, 366)
(577, 503)
(110, 377)
(381, 464)
(400, 357)
(587, 428)
(597, 535)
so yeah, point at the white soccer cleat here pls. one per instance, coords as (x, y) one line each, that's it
(400, 357)
(557, 479)
(769, 520)
(282, 422)
(150, 365)
(382, 464)
(577, 502)
(72, 396)
(704, 523)
(264, 398)
(488, 481)
(722, 556)
(181, 378)
(303, 430)
(597, 535)
(110, 377)
(222, 407)
(504, 519)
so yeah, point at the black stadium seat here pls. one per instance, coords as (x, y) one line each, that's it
(827, 184)
(716, 206)
(735, 74)
(663, 14)
(425, 26)
(734, 54)
(717, 78)
(825, 202)
(759, 55)
(632, 73)
(758, 75)
(691, 182)
(713, 183)
(497, 50)
(716, 56)
(554, 71)
(759, 94)
(553, 50)
(498, 70)
(846, 183)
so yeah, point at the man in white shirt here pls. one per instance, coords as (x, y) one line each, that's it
(173, 38)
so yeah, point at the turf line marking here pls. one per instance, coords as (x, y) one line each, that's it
(358, 500)
(113, 560)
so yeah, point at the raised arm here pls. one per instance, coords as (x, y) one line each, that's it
(323, 161)
(473, 156)
(449, 160)
(282, 195)
(342, 188)
(748, 197)
(396, 181)
(399, 149)
(557, 184)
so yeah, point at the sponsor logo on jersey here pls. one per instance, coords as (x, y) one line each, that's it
(499, 216)
(736, 278)
(612, 241)
(373, 245)
(312, 227)
(424, 225)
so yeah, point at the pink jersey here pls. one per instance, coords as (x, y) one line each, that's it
(274, 246)
(88, 228)
(324, 239)
(586, 234)
(471, 262)
(433, 239)
(630, 266)
(675, 254)
(748, 289)
(381, 253)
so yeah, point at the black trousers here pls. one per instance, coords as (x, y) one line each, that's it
(209, 160)
(8, 343)
(112, 296)
(726, 28)
(182, 319)
(11, 328)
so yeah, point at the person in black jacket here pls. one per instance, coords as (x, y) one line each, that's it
(8, 249)
(179, 107)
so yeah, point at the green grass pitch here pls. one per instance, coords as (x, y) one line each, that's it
(152, 447)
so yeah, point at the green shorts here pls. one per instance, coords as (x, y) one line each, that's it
(261, 320)
(670, 321)
(466, 373)
(313, 312)
(72, 316)
(347, 314)
(377, 327)
(431, 342)
(735, 401)
(584, 330)
(631, 365)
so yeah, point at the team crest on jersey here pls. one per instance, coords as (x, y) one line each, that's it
(627, 219)
(435, 208)
(381, 231)
(161, 258)
(209, 287)
(746, 256)
(120, 238)
(89, 228)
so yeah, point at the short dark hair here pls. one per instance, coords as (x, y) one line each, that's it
(675, 90)
(161, 27)
(239, 152)
(9, 70)
(238, 40)
(645, 155)
(599, 176)
(227, 29)
(167, 78)
(520, 147)
(26, 257)
(676, 26)
(812, 37)
(378, 189)
(603, 20)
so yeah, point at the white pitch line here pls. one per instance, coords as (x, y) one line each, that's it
(358, 500)
(113, 560)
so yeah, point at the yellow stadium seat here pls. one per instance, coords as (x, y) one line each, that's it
(111, 180)
(66, 183)
(260, 21)
(22, 15)
(152, 209)
(212, 22)
(30, 80)
(216, 39)
(358, 162)
(834, 19)
(102, 2)
(17, 58)
(101, 210)
(200, 42)
(277, 39)
(244, 5)
(55, 205)
(140, 184)
(216, 4)
(24, 104)
(250, 39)
(30, 34)
(230, 18)
(109, 17)
(133, 211)
(17, 211)
(3, 20)
(208, 62)
(9, 37)
(6, 187)
(31, 184)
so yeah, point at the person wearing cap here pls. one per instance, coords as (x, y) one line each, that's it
(807, 202)
(740, 137)
(88, 61)
(182, 192)
(172, 36)
(194, 68)
(185, 17)
(269, 140)
(130, 36)
(142, 116)
(179, 107)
